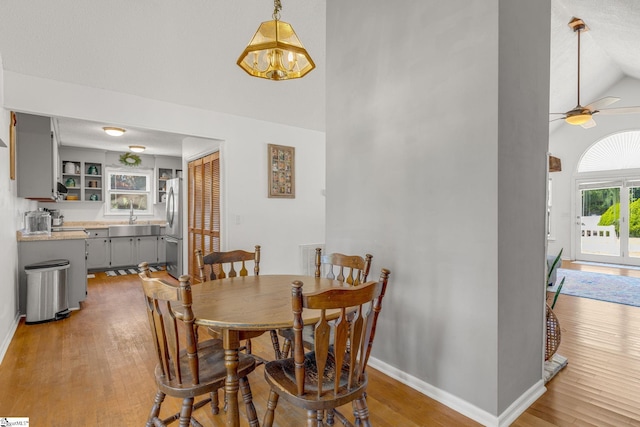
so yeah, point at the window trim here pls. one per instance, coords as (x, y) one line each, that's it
(109, 171)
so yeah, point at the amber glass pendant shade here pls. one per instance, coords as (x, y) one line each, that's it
(275, 52)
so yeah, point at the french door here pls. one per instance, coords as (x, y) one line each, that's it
(608, 221)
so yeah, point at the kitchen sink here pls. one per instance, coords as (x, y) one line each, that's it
(126, 230)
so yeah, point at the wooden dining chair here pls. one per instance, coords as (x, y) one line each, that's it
(334, 373)
(229, 264)
(185, 367)
(350, 269)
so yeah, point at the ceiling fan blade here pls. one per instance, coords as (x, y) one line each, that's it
(620, 110)
(591, 123)
(601, 103)
(556, 119)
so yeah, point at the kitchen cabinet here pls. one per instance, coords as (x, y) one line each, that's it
(166, 168)
(123, 251)
(36, 158)
(162, 250)
(131, 251)
(98, 250)
(82, 174)
(73, 250)
(147, 249)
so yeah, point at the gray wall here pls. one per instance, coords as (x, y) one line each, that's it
(433, 170)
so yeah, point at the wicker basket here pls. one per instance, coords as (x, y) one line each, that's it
(553, 334)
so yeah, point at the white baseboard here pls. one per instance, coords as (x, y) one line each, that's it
(459, 405)
(522, 403)
(7, 339)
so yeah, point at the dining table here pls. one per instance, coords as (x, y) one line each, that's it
(250, 303)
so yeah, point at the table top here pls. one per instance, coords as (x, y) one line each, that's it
(253, 303)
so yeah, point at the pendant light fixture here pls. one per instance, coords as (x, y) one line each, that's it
(275, 52)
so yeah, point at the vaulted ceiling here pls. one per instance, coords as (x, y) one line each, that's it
(138, 47)
(610, 50)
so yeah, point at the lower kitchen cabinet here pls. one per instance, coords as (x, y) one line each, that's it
(162, 250)
(123, 252)
(131, 251)
(147, 249)
(98, 250)
(73, 250)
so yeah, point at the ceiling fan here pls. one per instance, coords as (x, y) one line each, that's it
(583, 115)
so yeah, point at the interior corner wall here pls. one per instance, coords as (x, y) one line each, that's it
(522, 178)
(416, 155)
(414, 183)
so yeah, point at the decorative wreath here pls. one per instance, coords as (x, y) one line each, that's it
(130, 159)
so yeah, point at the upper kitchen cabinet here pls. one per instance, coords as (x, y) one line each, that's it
(36, 158)
(82, 173)
(166, 168)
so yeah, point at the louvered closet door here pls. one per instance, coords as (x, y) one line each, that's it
(204, 208)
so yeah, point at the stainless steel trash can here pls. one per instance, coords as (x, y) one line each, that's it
(47, 291)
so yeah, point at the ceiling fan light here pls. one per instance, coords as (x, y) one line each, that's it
(578, 119)
(113, 131)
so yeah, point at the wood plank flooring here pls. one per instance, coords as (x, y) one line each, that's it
(95, 369)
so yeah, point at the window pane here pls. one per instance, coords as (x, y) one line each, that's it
(128, 182)
(122, 202)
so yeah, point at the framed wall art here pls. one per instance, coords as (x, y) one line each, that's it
(282, 182)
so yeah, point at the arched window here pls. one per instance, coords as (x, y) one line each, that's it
(614, 152)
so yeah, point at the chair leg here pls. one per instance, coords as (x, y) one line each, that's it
(155, 409)
(271, 407)
(275, 342)
(312, 418)
(286, 347)
(247, 346)
(362, 410)
(247, 397)
(185, 412)
(215, 408)
(330, 414)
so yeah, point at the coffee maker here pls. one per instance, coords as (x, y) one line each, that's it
(56, 218)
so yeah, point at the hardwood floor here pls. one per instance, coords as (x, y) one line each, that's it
(95, 369)
(601, 384)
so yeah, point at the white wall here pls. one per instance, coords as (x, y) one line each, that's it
(434, 171)
(278, 225)
(569, 144)
(11, 209)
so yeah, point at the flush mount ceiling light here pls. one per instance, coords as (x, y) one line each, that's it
(137, 148)
(275, 52)
(113, 131)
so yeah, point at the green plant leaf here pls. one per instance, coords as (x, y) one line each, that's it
(555, 297)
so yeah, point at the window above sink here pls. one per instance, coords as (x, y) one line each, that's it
(127, 188)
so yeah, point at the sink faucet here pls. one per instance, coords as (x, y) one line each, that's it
(132, 219)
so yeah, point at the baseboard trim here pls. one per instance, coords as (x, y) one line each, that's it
(521, 404)
(460, 405)
(7, 339)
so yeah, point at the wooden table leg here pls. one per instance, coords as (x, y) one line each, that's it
(231, 385)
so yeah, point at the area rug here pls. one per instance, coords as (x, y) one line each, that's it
(125, 271)
(603, 287)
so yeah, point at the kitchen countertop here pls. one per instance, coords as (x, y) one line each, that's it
(58, 235)
(77, 234)
(106, 224)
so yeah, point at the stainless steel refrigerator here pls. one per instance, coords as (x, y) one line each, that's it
(173, 238)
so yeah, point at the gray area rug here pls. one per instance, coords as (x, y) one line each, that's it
(125, 271)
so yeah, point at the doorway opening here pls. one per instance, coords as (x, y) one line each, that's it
(608, 201)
